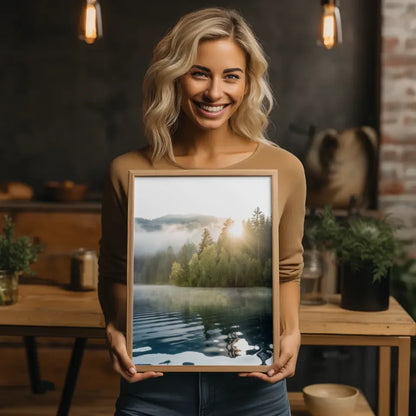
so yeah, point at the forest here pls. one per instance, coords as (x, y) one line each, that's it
(243, 260)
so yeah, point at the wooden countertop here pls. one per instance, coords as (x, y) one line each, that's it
(330, 318)
(44, 310)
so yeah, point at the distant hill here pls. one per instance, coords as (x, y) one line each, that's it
(187, 221)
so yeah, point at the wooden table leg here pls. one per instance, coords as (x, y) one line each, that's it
(403, 367)
(403, 377)
(37, 385)
(71, 376)
(384, 375)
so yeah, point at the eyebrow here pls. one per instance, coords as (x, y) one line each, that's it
(226, 71)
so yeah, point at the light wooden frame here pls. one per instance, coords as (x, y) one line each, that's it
(135, 175)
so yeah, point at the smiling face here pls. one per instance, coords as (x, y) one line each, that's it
(213, 89)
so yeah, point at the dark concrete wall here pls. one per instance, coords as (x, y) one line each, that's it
(68, 108)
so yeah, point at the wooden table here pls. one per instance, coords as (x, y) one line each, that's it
(52, 311)
(55, 312)
(329, 324)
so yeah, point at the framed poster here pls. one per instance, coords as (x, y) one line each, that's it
(203, 284)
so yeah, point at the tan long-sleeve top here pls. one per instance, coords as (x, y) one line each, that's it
(291, 208)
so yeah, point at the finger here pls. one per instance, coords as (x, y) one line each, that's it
(283, 359)
(262, 376)
(123, 362)
(287, 370)
(119, 369)
(274, 369)
(143, 376)
(121, 359)
(276, 378)
(118, 351)
(133, 378)
(274, 374)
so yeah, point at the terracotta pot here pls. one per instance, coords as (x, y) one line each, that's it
(360, 293)
(8, 287)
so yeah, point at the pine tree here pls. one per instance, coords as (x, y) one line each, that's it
(224, 238)
(206, 241)
(208, 261)
(257, 223)
(194, 271)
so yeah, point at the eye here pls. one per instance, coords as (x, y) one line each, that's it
(232, 76)
(199, 74)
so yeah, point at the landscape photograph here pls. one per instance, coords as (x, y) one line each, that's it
(203, 271)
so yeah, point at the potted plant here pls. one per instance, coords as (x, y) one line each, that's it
(16, 256)
(366, 249)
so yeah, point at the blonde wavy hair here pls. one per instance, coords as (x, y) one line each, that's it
(174, 56)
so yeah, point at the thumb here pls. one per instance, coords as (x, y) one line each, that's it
(126, 364)
(119, 349)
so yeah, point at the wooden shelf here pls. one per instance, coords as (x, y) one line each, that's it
(298, 408)
(46, 206)
(331, 319)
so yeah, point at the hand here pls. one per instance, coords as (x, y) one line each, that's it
(286, 364)
(122, 363)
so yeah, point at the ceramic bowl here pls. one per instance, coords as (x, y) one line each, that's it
(330, 399)
(65, 191)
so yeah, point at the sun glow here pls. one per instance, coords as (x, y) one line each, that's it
(236, 229)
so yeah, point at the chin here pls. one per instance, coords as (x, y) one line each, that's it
(210, 126)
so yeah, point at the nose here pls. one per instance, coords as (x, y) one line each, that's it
(213, 92)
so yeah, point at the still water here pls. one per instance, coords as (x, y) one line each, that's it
(202, 326)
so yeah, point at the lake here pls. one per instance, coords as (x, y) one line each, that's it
(202, 326)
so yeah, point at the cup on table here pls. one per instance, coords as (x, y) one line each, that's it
(311, 292)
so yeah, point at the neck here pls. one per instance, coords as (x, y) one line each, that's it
(191, 141)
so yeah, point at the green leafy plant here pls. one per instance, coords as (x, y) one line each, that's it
(404, 285)
(404, 290)
(16, 254)
(358, 241)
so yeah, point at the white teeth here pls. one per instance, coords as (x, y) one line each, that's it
(212, 109)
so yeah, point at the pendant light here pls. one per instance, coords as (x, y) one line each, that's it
(91, 26)
(330, 32)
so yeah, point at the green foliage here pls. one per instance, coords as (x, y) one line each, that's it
(404, 289)
(16, 255)
(404, 284)
(227, 262)
(206, 240)
(177, 276)
(358, 241)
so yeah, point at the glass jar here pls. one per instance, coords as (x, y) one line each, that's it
(8, 287)
(84, 270)
(311, 292)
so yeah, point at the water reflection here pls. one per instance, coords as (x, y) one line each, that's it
(202, 326)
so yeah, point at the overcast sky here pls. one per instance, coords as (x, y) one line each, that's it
(235, 197)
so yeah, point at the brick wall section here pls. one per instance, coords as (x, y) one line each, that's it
(397, 184)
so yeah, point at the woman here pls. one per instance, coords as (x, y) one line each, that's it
(206, 102)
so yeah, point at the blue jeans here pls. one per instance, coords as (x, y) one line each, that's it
(202, 394)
